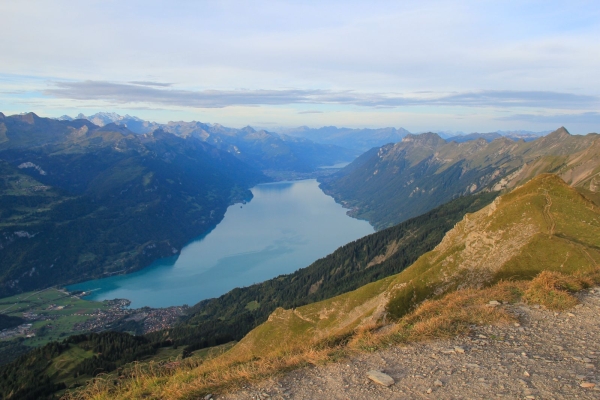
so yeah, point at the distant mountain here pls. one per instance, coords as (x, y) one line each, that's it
(358, 139)
(474, 136)
(259, 148)
(366, 139)
(78, 201)
(265, 150)
(525, 135)
(134, 124)
(398, 181)
(514, 135)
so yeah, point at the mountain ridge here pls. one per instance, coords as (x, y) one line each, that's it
(259, 148)
(400, 180)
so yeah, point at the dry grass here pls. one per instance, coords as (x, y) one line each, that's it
(194, 379)
(553, 289)
(450, 315)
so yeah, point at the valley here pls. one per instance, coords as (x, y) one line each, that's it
(446, 292)
(262, 263)
(147, 194)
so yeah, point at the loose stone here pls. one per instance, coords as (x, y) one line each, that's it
(380, 378)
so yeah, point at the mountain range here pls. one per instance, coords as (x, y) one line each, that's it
(357, 140)
(259, 148)
(389, 184)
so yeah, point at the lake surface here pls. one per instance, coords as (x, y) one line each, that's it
(285, 227)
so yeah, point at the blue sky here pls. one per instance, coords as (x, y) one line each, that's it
(422, 65)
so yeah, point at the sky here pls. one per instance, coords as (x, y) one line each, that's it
(423, 65)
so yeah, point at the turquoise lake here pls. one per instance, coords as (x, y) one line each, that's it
(285, 227)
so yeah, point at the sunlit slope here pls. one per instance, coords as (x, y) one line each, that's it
(542, 225)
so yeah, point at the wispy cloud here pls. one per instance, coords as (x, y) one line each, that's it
(310, 112)
(591, 117)
(127, 93)
(149, 83)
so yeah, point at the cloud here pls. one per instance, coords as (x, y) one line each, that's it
(591, 117)
(148, 83)
(127, 93)
(310, 112)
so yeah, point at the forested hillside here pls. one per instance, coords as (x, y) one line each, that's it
(41, 373)
(79, 202)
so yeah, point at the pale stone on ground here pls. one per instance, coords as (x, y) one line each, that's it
(380, 377)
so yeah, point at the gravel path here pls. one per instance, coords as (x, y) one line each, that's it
(547, 355)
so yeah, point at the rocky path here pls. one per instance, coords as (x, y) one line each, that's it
(547, 355)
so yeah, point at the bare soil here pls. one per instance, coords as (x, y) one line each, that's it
(547, 355)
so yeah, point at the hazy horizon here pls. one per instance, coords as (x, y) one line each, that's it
(439, 65)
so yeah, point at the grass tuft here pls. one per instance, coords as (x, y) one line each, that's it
(553, 289)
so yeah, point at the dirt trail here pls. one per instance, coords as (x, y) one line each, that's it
(548, 215)
(547, 356)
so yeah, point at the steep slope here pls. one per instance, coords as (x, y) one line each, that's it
(489, 363)
(92, 201)
(410, 177)
(542, 225)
